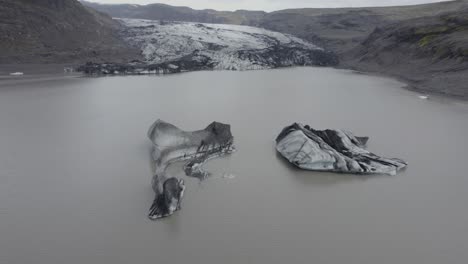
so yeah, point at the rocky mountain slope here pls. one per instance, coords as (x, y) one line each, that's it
(341, 29)
(430, 53)
(57, 31)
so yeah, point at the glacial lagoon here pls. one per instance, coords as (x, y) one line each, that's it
(75, 171)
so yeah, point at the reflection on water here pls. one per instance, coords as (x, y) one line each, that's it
(75, 183)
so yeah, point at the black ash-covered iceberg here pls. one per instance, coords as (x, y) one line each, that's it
(171, 144)
(332, 150)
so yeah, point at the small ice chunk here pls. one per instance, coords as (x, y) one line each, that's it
(16, 74)
(229, 176)
(172, 66)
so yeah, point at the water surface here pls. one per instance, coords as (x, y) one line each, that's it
(75, 172)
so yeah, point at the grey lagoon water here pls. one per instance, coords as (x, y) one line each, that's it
(75, 172)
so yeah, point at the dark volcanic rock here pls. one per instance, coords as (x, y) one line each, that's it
(332, 150)
(170, 144)
(188, 63)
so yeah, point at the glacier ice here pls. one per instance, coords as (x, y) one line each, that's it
(171, 47)
(332, 150)
(170, 145)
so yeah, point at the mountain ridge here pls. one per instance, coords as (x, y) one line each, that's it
(339, 29)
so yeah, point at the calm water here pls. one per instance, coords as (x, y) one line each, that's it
(75, 172)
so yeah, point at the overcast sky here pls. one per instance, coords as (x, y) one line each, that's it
(269, 5)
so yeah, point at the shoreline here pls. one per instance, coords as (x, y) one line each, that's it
(47, 72)
(410, 85)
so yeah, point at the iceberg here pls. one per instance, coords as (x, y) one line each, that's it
(333, 151)
(170, 145)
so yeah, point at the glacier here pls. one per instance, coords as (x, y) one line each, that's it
(172, 47)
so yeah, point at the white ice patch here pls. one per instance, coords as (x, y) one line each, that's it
(16, 74)
(229, 176)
